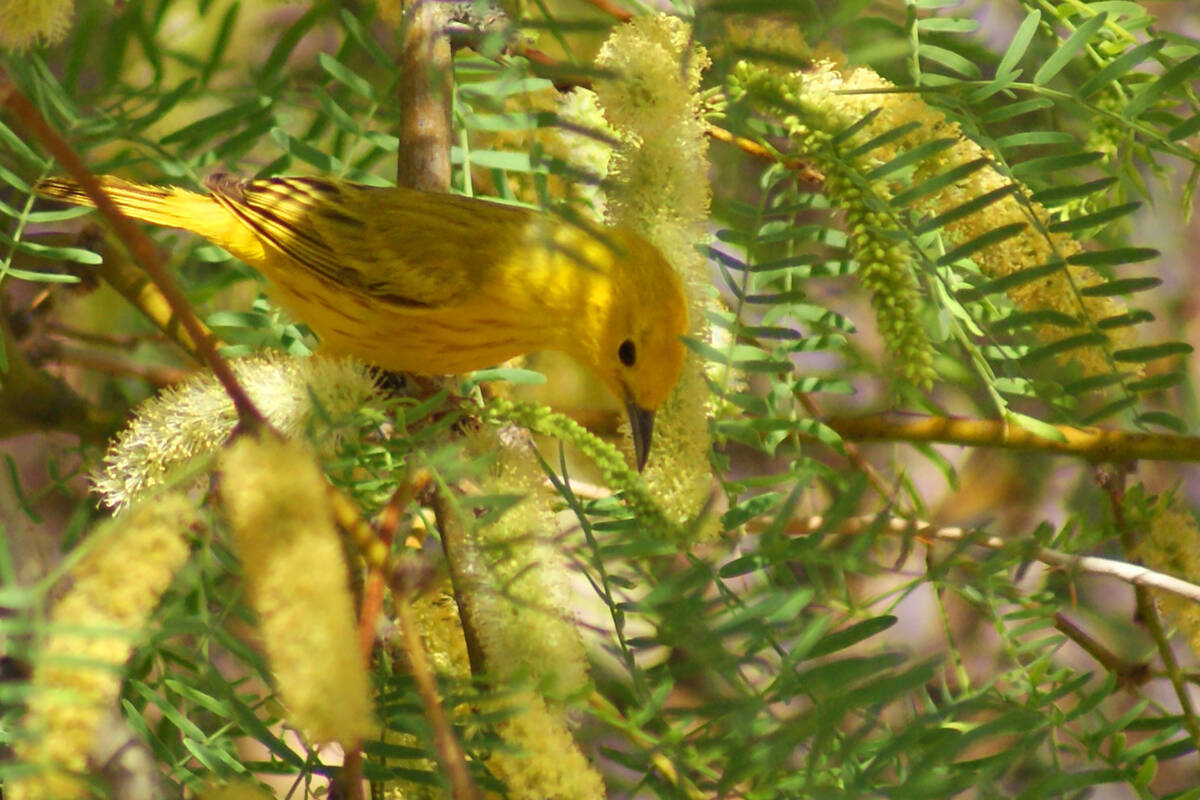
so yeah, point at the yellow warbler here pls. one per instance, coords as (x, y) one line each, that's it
(434, 283)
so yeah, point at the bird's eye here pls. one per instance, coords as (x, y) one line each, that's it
(627, 353)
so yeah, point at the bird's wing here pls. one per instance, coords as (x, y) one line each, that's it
(410, 248)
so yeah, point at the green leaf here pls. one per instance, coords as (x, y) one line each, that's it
(18, 147)
(287, 43)
(1183, 130)
(343, 75)
(887, 137)
(1119, 66)
(1064, 345)
(1113, 257)
(947, 25)
(1058, 195)
(1019, 43)
(1011, 281)
(941, 181)
(1095, 220)
(1034, 139)
(911, 157)
(1154, 383)
(1141, 355)
(1176, 75)
(1035, 426)
(1121, 286)
(852, 635)
(1068, 49)
(1004, 111)
(982, 242)
(1162, 419)
(306, 152)
(513, 375)
(966, 209)
(214, 124)
(949, 59)
(1136, 316)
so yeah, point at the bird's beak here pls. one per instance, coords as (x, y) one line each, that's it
(642, 423)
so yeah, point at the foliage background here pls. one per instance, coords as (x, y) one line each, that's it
(774, 661)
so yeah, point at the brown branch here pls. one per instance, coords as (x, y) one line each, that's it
(425, 89)
(450, 752)
(612, 9)
(456, 547)
(1129, 674)
(1092, 444)
(378, 554)
(138, 244)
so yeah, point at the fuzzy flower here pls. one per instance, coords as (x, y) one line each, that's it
(1172, 545)
(33, 23)
(521, 609)
(279, 511)
(194, 419)
(542, 759)
(77, 677)
(660, 189)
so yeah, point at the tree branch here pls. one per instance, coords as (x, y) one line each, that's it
(1090, 443)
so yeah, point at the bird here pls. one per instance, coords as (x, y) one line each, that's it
(435, 283)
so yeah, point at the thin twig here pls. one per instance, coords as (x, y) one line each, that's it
(611, 9)
(378, 563)
(157, 375)
(138, 244)
(1129, 674)
(450, 752)
(1133, 574)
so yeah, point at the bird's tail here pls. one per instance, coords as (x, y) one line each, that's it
(168, 206)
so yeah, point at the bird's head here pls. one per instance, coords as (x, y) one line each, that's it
(639, 350)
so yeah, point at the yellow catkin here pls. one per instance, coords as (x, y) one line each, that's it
(848, 90)
(1171, 545)
(195, 418)
(31, 23)
(660, 188)
(522, 615)
(542, 759)
(279, 510)
(77, 676)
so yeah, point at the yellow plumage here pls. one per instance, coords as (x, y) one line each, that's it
(433, 283)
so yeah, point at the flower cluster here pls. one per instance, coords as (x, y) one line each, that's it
(32, 23)
(846, 96)
(278, 506)
(194, 419)
(660, 189)
(1172, 545)
(128, 566)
